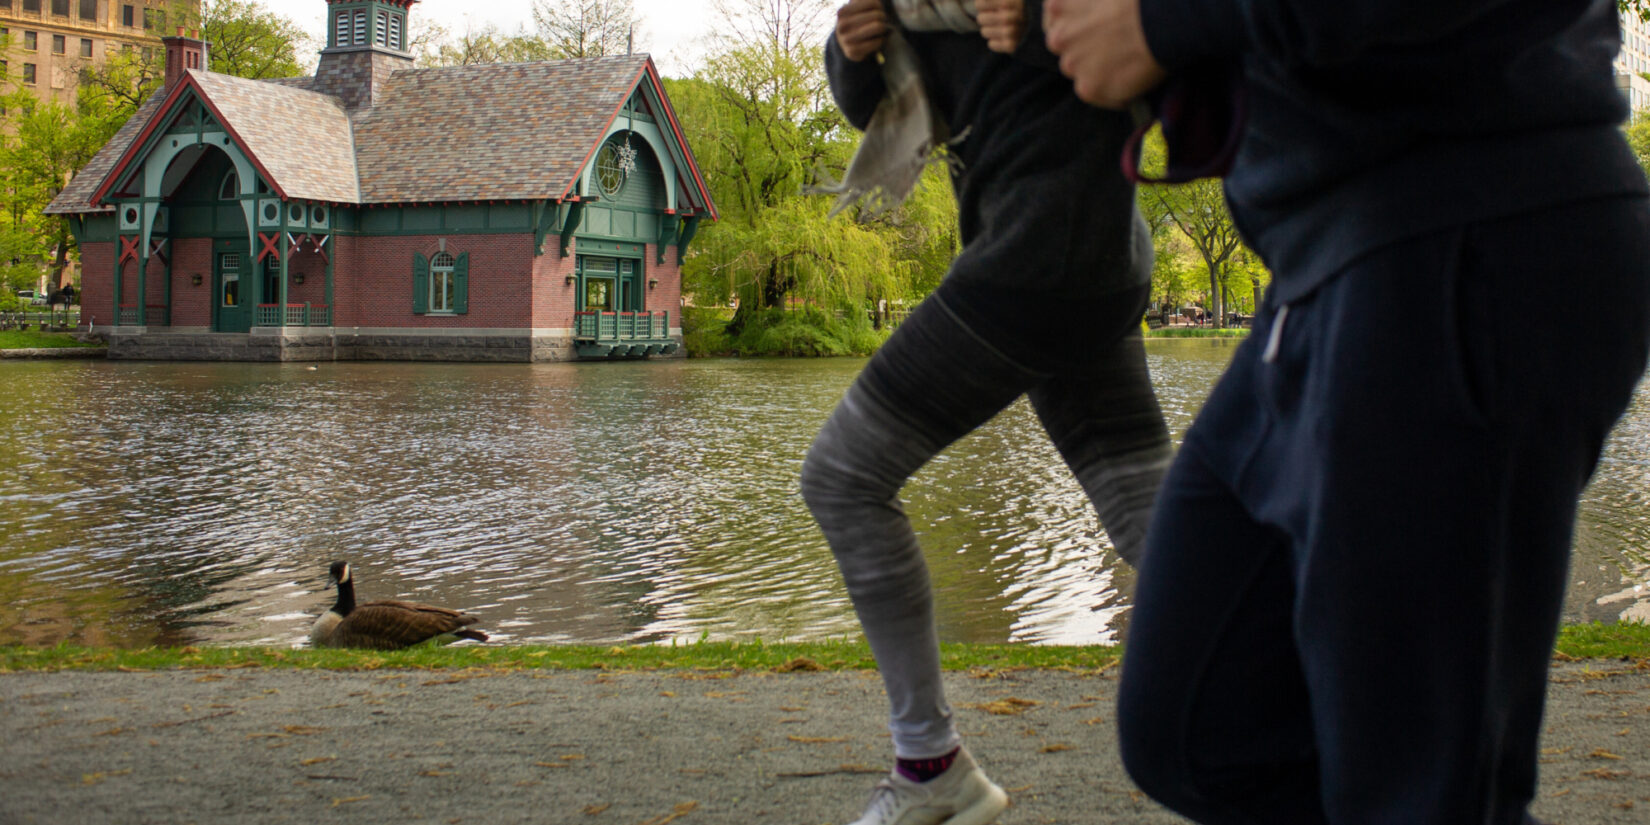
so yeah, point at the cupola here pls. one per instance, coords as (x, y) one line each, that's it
(366, 43)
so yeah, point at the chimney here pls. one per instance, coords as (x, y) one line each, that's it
(183, 52)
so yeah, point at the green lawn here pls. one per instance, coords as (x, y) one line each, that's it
(1629, 641)
(34, 339)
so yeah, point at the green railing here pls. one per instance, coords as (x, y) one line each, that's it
(611, 327)
(297, 315)
(159, 315)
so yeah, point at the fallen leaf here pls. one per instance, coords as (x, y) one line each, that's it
(303, 730)
(1055, 748)
(844, 768)
(668, 693)
(682, 809)
(551, 764)
(799, 665)
(592, 810)
(817, 740)
(316, 760)
(1007, 706)
(1600, 753)
(210, 677)
(435, 773)
(112, 732)
(348, 799)
(785, 708)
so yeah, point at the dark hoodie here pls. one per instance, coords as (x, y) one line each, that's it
(1375, 120)
(1047, 220)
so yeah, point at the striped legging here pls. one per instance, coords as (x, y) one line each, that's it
(933, 382)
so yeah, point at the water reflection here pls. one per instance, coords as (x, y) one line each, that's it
(173, 503)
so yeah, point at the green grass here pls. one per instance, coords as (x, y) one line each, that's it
(1630, 641)
(34, 339)
(1196, 332)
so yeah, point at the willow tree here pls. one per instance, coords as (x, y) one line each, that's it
(763, 127)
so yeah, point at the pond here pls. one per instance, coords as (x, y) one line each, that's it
(172, 503)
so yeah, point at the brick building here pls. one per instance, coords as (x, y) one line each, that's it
(507, 212)
(50, 41)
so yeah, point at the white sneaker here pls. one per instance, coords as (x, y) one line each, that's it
(960, 796)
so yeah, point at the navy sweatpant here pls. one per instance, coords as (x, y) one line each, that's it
(1353, 578)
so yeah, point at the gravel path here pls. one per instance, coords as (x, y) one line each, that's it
(257, 746)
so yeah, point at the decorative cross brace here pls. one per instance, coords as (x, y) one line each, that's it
(128, 248)
(320, 242)
(157, 249)
(269, 244)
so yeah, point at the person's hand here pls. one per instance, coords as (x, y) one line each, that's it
(1002, 23)
(1103, 49)
(860, 26)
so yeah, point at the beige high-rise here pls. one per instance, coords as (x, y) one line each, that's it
(48, 42)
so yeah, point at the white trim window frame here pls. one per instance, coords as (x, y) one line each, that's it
(443, 284)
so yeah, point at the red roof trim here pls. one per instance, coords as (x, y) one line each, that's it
(165, 112)
(676, 129)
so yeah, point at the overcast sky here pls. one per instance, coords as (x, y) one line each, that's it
(671, 29)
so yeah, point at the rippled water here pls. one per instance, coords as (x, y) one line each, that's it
(168, 503)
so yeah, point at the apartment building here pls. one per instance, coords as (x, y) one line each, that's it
(1633, 61)
(48, 42)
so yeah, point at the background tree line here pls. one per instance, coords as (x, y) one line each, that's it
(760, 118)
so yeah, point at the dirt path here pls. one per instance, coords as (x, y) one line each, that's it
(257, 746)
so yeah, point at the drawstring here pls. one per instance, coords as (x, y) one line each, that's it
(1274, 339)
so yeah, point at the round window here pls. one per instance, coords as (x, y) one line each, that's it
(295, 214)
(609, 170)
(271, 212)
(318, 215)
(131, 215)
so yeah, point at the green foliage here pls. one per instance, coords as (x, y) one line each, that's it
(1197, 212)
(704, 331)
(34, 339)
(249, 41)
(1638, 7)
(762, 123)
(1196, 332)
(703, 655)
(808, 331)
(1638, 137)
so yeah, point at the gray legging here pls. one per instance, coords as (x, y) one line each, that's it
(933, 382)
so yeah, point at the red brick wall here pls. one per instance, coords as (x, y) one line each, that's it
(375, 281)
(191, 304)
(552, 295)
(667, 296)
(97, 263)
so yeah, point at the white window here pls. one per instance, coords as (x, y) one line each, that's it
(381, 31)
(341, 35)
(395, 33)
(442, 285)
(360, 28)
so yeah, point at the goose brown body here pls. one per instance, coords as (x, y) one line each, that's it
(386, 625)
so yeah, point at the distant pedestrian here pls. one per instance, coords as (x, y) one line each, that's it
(1353, 580)
(1045, 300)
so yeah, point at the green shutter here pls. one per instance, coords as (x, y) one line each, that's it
(421, 284)
(461, 283)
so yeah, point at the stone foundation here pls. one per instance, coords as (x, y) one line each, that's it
(135, 344)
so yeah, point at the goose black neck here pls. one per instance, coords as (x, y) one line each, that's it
(346, 598)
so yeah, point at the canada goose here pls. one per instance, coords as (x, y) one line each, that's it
(385, 625)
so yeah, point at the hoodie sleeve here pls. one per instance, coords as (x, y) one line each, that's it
(1182, 33)
(857, 87)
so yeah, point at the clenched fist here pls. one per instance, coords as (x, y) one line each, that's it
(860, 27)
(1002, 23)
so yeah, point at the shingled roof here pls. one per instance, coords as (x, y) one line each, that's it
(301, 138)
(513, 131)
(489, 132)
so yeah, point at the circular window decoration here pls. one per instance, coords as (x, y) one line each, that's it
(318, 215)
(610, 171)
(271, 212)
(295, 213)
(131, 215)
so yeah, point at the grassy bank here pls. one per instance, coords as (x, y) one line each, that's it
(1577, 642)
(34, 339)
(1196, 332)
